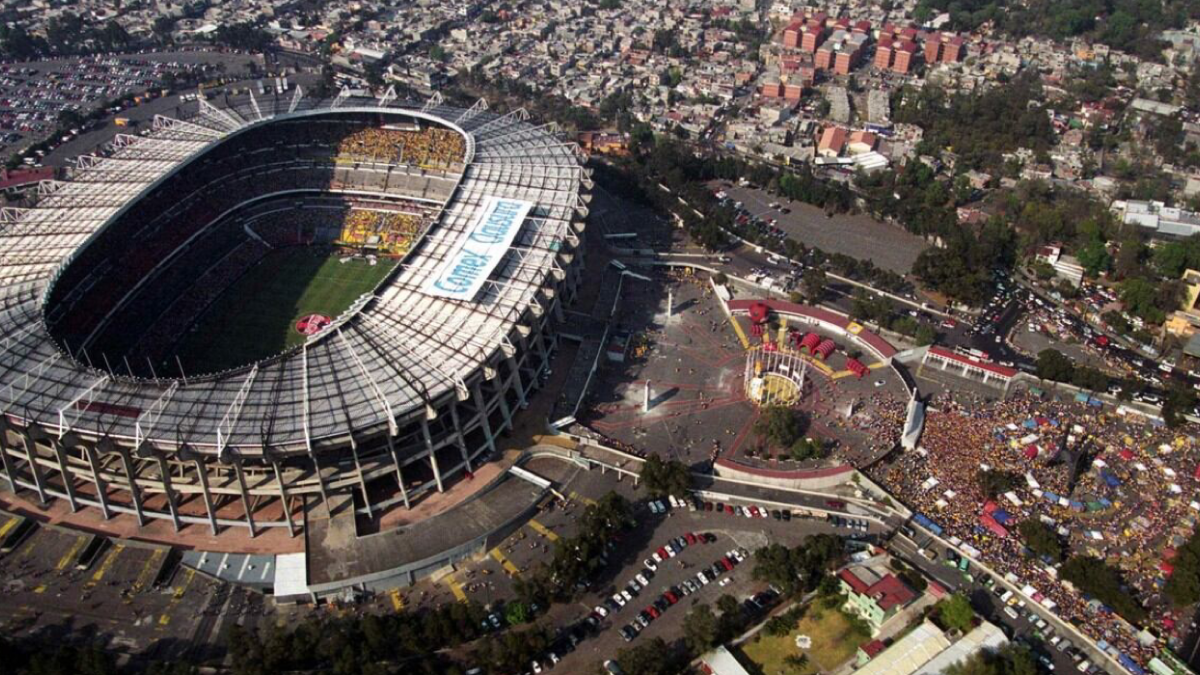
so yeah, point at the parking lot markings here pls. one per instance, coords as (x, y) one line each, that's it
(397, 599)
(148, 568)
(40, 589)
(505, 562)
(104, 566)
(737, 328)
(456, 588)
(179, 591)
(542, 530)
(8, 525)
(580, 498)
(71, 553)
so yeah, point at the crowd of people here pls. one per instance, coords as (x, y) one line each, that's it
(428, 147)
(1117, 488)
(390, 232)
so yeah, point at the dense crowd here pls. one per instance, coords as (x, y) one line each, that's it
(1117, 488)
(391, 232)
(429, 147)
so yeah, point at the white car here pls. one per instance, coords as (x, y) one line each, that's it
(641, 579)
(601, 610)
(651, 563)
(628, 597)
(619, 600)
(656, 558)
(880, 383)
(763, 512)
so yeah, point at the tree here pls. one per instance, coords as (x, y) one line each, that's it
(1041, 539)
(995, 482)
(1183, 586)
(700, 629)
(516, 613)
(720, 279)
(650, 658)
(1054, 365)
(807, 448)
(955, 613)
(1011, 659)
(814, 284)
(780, 426)
(1180, 401)
(1100, 580)
(661, 478)
(1094, 258)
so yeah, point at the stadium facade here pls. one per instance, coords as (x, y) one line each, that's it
(409, 387)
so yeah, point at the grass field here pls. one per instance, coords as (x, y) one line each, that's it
(256, 317)
(834, 641)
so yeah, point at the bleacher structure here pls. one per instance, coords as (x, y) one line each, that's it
(405, 391)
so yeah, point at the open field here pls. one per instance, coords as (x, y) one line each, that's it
(256, 318)
(834, 641)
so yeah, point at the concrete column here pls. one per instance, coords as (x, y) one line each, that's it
(208, 503)
(165, 470)
(134, 491)
(60, 453)
(5, 461)
(283, 496)
(437, 473)
(505, 410)
(39, 479)
(484, 422)
(241, 478)
(101, 485)
(517, 380)
(399, 473)
(458, 436)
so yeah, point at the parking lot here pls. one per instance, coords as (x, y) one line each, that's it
(858, 236)
(128, 597)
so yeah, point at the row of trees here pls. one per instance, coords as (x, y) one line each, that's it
(25, 657)
(1103, 582)
(799, 569)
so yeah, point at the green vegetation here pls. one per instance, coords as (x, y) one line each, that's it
(661, 478)
(783, 427)
(836, 636)
(1183, 586)
(979, 127)
(651, 657)
(954, 613)
(802, 568)
(1058, 367)
(1011, 659)
(1127, 25)
(1041, 539)
(993, 483)
(256, 317)
(1096, 578)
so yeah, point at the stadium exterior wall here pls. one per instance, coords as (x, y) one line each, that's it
(450, 435)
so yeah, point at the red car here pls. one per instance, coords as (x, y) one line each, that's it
(662, 553)
(652, 611)
(671, 597)
(691, 538)
(726, 564)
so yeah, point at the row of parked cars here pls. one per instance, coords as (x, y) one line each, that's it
(672, 595)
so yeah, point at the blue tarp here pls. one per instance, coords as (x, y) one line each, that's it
(1050, 497)
(1075, 504)
(1001, 516)
(1104, 501)
(1112, 480)
(1030, 424)
(1130, 664)
(927, 524)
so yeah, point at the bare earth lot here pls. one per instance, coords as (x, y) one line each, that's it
(858, 236)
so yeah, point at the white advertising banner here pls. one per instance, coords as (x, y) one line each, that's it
(479, 251)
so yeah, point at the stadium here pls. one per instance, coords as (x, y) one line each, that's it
(278, 300)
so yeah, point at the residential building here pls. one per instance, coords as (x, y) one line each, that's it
(874, 593)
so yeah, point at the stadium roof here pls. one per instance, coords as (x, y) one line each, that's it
(386, 364)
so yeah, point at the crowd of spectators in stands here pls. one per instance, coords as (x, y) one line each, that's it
(389, 232)
(430, 147)
(1115, 487)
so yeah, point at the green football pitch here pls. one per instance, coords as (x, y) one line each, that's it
(256, 317)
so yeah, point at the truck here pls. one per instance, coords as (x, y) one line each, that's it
(121, 121)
